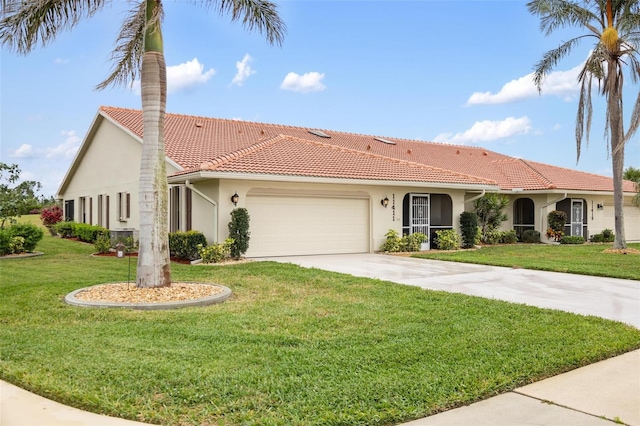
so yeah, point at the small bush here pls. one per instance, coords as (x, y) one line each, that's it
(557, 219)
(215, 253)
(239, 232)
(50, 216)
(88, 233)
(508, 237)
(492, 236)
(469, 229)
(392, 242)
(608, 235)
(102, 243)
(530, 236)
(64, 229)
(5, 241)
(184, 245)
(16, 245)
(597, 238)
(31, 234)
(448, 239)
(413, 242)
(572, 239)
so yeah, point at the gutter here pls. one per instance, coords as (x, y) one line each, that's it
(542, 217)
(188, 184)
(484, 191)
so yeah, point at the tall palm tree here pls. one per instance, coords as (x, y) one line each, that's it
(615, 25)
(139, 52)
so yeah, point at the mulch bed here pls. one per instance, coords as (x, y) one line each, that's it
(129, 293)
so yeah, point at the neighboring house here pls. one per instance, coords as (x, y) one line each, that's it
(317, 192)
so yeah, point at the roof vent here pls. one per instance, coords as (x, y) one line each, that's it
(198, 124)
(408, 151)
(383, 140)
(319, 133)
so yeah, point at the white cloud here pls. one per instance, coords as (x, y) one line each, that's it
(486, 131)
(308, 82)
(24, 151)
(61, 61)
(66, 149)
(183, 76)
(244, 70)
(563, 84)
(556, 127)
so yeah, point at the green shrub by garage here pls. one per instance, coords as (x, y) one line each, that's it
(184, 245)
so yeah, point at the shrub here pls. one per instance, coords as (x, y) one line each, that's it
(490, 211)
(88, 233)
(16, 245)
(102, 243)
(557, 219)
(184, 245)
(608, 236)
(239, 232)
(413, 242)
(597, 238)
(508, 237)
(50, 216)
(492, 236)
(5, 241)
(31, 234)
(64, 229)
(392, 242)
(448, 239)
(530, 236)
(469, 228)
(215, 253)
(572, 239)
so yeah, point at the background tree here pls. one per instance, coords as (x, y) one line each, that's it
(615, 27)
(633, 174)
(139, 52)
(16, 198)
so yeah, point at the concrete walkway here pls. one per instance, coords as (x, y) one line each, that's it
(598, 394)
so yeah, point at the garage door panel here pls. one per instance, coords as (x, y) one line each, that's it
(283, 225)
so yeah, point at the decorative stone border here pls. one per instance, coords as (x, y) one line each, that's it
(203, 301)
(22, 255)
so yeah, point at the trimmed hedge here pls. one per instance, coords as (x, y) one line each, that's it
(572, 239)
(88, 233)
(469, 229)
(530, 236)
(31, 234)
(448, 239)
(64, 229)
(184, 245)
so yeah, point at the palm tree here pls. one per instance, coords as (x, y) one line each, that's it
(615, 25)
(633, 174)
(139, 52)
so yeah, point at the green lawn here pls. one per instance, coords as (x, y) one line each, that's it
(586, 259)
(292, 346)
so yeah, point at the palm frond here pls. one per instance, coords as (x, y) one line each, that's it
(26, 24)
(260, 15)
(127, 55)
(634, 123)
(556, 14)
(551, 59)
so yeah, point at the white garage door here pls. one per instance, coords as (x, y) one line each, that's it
(288, 225)
(632, 223)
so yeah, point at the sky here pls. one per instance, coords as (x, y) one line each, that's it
(450, 71)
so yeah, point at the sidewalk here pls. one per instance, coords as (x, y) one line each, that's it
(597, 395)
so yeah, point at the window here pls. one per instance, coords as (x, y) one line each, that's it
(86, 209)
(103, 211)
(426, 213)
(69, 210)
(523, 216)
(180, 199)
(124, 206)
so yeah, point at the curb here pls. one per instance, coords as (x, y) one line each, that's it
(70, 299)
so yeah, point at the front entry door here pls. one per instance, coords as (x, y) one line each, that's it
(576, 217)
(419, 218)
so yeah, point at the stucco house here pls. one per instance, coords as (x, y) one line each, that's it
(311, 191)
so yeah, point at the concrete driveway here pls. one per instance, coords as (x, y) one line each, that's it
(609, 298)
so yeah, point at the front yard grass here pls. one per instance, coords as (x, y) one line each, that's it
(293, 346)
(586, 259)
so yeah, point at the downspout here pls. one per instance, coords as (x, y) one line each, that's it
(544, 207)
(484, 191)
(188, 184)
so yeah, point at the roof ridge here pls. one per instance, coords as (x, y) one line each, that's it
(543, 178)
(384, 157)
(538, 175)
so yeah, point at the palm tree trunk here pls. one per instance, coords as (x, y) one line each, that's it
(617, 152)
(154, 266)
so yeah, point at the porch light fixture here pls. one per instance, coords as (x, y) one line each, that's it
(234, 199)
(384, 202)
(600, 206)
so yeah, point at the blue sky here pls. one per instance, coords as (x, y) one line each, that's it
(447, 71)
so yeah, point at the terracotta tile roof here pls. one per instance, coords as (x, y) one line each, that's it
(203, 143)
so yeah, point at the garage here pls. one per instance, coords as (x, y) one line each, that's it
(302, 225)
(631, 221)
